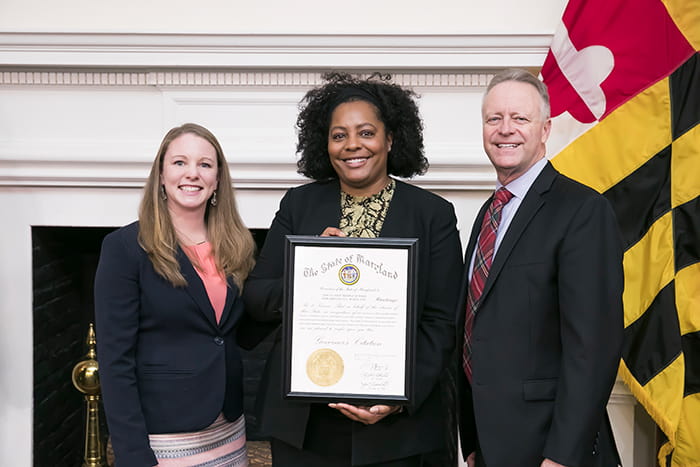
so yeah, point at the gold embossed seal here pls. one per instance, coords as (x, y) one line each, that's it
(325, 367)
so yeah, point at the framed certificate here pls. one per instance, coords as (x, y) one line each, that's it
(349, 319)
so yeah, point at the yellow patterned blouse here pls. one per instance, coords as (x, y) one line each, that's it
(363, 216)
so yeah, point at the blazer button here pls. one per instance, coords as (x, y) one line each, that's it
(219, 340)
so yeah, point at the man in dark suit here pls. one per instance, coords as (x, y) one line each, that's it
(541, 306)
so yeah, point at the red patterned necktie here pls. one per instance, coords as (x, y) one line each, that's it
(482, 264)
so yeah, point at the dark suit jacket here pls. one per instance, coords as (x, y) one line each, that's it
(165, 364)
(413, 212)
(547, 336)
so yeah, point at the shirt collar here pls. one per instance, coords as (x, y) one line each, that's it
(520, 186)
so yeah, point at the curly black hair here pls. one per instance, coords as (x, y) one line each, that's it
(396, 108)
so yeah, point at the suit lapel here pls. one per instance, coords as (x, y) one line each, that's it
(532, 203)
(231, 294)
(474, 236)
(394, 221)
(326, 210)
(469, 252)
(195, 287)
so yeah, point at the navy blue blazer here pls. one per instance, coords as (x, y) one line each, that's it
(547, 336)
(413, 213)
(165, 364)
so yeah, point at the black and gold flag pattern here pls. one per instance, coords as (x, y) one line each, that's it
(643, 153)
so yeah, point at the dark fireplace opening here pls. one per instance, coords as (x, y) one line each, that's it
(64, 264)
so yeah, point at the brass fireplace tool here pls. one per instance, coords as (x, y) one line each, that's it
(87, 381)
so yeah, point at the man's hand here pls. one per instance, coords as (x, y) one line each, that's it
(364, 414)
(333, 232)
(550, 463)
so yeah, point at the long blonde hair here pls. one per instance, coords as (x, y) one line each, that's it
(232, 244)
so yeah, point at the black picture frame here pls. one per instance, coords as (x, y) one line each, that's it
(349, 248)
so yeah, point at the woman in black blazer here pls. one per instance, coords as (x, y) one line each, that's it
(167, 302)
(354, 134)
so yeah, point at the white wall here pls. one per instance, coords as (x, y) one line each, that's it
(283, 16)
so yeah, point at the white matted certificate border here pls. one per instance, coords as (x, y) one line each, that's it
(349, 319)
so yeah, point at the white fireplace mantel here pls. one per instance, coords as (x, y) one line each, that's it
(234, 74)
(289, 51)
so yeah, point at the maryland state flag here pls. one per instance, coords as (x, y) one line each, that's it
(624, 79)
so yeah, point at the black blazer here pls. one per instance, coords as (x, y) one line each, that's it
(165, 364)
(413, 212)
(547, 337)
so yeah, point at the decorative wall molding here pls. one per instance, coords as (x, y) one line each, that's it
(324, 51)
(119, 174)
(226, 73)
(621, 395)
(214, 78)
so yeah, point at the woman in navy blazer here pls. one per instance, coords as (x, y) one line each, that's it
(354, 134)
(167, 303)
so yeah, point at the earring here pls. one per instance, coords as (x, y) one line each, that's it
(213, 199)
(163, 194)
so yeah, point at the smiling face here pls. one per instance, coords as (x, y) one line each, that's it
(358, 147)
(514, 132)
(189, 173)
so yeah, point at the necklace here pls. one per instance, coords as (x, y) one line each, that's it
(188, 239)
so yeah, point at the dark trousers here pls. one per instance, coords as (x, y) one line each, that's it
(285, 455)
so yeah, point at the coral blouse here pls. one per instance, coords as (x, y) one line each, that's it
(214, 282)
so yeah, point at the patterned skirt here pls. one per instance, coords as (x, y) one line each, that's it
(222, 444)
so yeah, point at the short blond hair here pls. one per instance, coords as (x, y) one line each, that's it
(523, 76)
